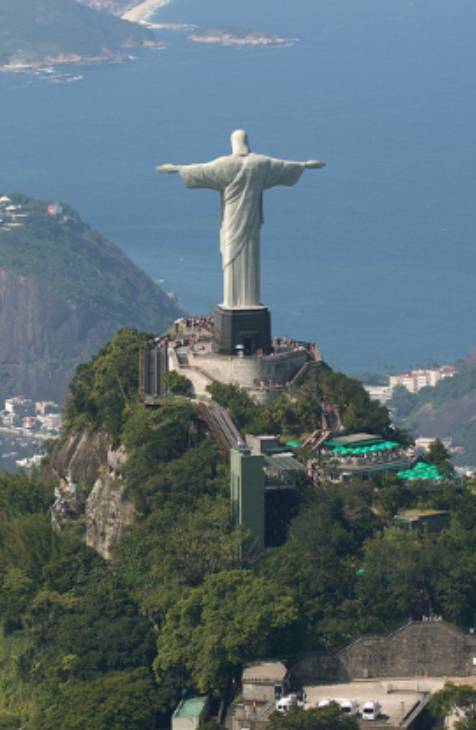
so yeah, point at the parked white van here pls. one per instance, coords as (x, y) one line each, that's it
(371, 710)
(286, 703)
(349, 706)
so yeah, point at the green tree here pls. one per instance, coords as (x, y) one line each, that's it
(177, 384)
(10, 722)
(398, 573)
(439, 455)
(455, 697)
(318, 564)
(245, 413)
(454, 570)
(103, 389)
(358, 412)
(21, 493)
(115, 701)
(28, 542)
(393, 494)
(83, 636)
(170, 458)
(232, 617)
(175, 548)
(16, 593)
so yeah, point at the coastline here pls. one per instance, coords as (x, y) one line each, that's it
(142, 12)
(47, 64)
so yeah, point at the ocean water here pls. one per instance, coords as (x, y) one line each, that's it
(373, 257)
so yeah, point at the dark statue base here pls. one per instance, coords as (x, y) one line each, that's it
(248, 330)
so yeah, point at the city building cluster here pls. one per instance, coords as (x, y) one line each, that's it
(14, 215)
(418, 379)
(11, 215)
(25, 415)
(413, 381)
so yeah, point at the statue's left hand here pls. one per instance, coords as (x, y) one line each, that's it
(314, 164)
(168, 168)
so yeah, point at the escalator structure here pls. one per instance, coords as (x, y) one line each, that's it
(221, 427)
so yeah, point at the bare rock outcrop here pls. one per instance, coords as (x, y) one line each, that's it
(91, 488)
(108, 511)
(80, 458)
(43, 338)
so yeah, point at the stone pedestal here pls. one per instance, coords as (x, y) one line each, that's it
(250, 328)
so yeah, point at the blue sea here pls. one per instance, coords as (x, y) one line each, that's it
(373, 257)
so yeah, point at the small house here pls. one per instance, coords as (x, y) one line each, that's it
(265, 682)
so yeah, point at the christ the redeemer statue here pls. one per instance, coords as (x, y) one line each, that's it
(241, 178)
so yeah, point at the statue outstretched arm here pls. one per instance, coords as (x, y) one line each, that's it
(314, 165)
(287, 172)
(215, 174)
(168, 168)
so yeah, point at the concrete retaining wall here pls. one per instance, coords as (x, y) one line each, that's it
(417, 649)
(247, 370)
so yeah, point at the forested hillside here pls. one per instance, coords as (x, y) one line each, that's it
(64, 290)
(100, 645)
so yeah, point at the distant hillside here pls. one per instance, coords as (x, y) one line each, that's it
(448, 410)
(64, 291)
(33, 31)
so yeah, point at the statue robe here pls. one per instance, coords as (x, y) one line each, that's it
(241, 181)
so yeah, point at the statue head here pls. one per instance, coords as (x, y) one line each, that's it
(239, 143)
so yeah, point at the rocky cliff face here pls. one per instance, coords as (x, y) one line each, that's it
(79, 458)
(44, 337)
(108, 512)
(91, 488)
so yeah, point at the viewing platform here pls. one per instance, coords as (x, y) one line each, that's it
(191, 351)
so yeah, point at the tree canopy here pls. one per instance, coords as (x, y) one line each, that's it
(178, 609)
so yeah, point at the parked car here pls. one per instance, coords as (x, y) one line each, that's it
(349, 706)
(371, 710)
(284, 704)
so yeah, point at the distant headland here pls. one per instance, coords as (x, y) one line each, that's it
(64, 31)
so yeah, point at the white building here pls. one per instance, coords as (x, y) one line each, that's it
(20, 406)
(382, 393)
(418, 379)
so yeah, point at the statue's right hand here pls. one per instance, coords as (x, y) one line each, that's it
(167, 168)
